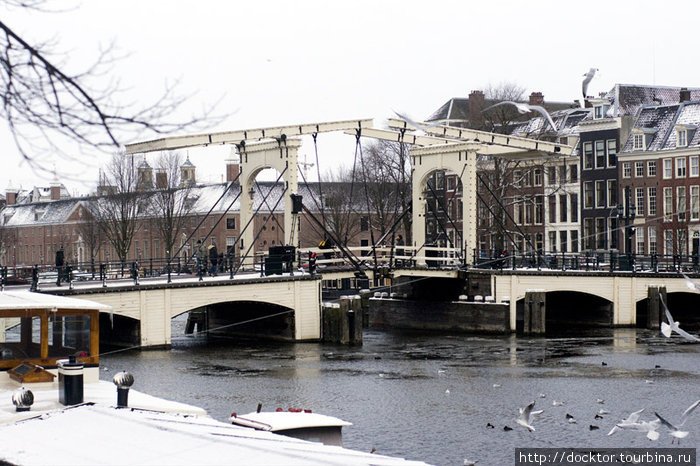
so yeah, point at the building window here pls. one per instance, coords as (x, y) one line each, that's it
(563, 241)
(694, 165)
(588, 233)
(600, 193)
(597, 112)
(574, 240)
(552, 209)
(640, 201)
(626, 170)
(528, 212)
(639, 233)
(518, 211)
(668, 242)
(600, 154)
(538, 177)
(682, 138)
(668, 204)
(680, 167)
(652, 240)
(681, 203)
(539, 209)
(638, 169)
(682, 236)
(695, 202)
(553, 241)
(587, 194)
(527, 178)
(601, 233)
(612, 193)
(562, 174)
(517, 178)
(574, 207)
(587, 155)
(364, 223)
(459, 209)
(562, 208)
(651, 168)
(668, 168)
(552, 175)
(638, 141)
(230, 223)
(451, 183)
(573, 173)
(651, 197)
(612, 153)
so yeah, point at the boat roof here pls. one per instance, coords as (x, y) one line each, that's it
(286, 420)
(23, 299)
(131, 436)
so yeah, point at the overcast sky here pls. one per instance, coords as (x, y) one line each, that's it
(290, 62)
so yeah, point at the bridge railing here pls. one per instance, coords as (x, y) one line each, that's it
(609, 261)
(433, 256)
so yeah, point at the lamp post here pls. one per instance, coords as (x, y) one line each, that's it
(626, 213)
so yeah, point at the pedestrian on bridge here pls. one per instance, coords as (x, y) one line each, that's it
(213, 259)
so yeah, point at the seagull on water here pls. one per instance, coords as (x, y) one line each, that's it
(527, 415)
(525, 108)
(675, 430)
(672, 326)
(588, 77)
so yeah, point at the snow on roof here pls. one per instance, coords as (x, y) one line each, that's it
(660, 122)
(98, 435)
(27, 300)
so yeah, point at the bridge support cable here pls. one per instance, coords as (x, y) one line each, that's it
(312, 225)
(228, 188)
(358, 144)
(318, 175)
(539, 253)
(252, 217)
(392, 229)
(354, 260)
(442, 207)
(510, 236)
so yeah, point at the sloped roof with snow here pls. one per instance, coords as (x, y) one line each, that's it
(660, 122)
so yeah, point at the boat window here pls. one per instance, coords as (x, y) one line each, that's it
(70, 336)
(17, 340)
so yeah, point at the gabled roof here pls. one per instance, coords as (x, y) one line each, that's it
(660, 123)
(627, 99)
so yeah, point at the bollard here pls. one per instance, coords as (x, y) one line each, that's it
(70, 381)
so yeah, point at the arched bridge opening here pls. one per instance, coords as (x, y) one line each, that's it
(684, 307)
(118, 331)
(242, 320)
(570, 311)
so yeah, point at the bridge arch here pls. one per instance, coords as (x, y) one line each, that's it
(459, 159)
(682, 304)
(281, 155)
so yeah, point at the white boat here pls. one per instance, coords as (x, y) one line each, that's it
(298, 423)
(55, 410)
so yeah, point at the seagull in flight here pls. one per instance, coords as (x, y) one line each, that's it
(588, 77)
(527, 415)
(672, 326)
(675, 431)
(415, 124)
(525, 108)
(690, 283)
(643, 426)
(631, 419)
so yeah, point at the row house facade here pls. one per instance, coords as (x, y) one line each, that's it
(32, 231)
(660, 164)
(609, 127)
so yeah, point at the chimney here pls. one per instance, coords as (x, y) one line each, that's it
(536, 98)
(476, 106)
(10, 196)
(233, 166)
(161, 179)
(684, 95)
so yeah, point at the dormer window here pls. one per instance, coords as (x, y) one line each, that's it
(684, 133)
(682, 138)
(641, 138)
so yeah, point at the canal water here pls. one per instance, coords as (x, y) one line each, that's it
(433, 397)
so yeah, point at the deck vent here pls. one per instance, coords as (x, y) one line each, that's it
(123, 380)
(22, 398)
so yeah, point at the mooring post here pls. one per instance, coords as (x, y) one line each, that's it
(534, 316)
